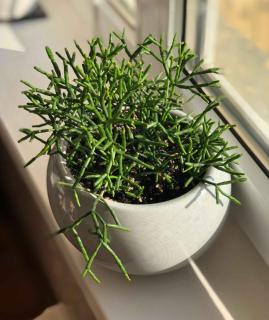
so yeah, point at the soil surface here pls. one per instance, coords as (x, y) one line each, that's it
(153, 192)
(156, 192)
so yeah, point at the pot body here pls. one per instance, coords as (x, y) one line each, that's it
(162, 236)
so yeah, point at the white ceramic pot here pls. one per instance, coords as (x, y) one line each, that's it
(15, 9)
(162, 236)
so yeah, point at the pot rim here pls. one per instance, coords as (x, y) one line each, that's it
(65, 172)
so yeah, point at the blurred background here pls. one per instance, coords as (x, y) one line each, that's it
(232, 35)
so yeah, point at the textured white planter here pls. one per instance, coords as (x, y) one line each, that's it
(162, 236)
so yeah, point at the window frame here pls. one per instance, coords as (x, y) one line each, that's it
(199, 34)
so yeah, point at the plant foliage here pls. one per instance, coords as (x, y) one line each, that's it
(114, 125)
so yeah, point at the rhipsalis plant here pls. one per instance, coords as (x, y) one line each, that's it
(114, 125)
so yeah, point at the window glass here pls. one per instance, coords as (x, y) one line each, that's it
(241, 49)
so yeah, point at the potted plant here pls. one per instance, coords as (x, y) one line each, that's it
(134, 182)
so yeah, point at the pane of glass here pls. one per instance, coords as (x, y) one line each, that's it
(242, 49)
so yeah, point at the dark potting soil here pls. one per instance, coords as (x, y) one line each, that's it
(153, 192)
(156, 192)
